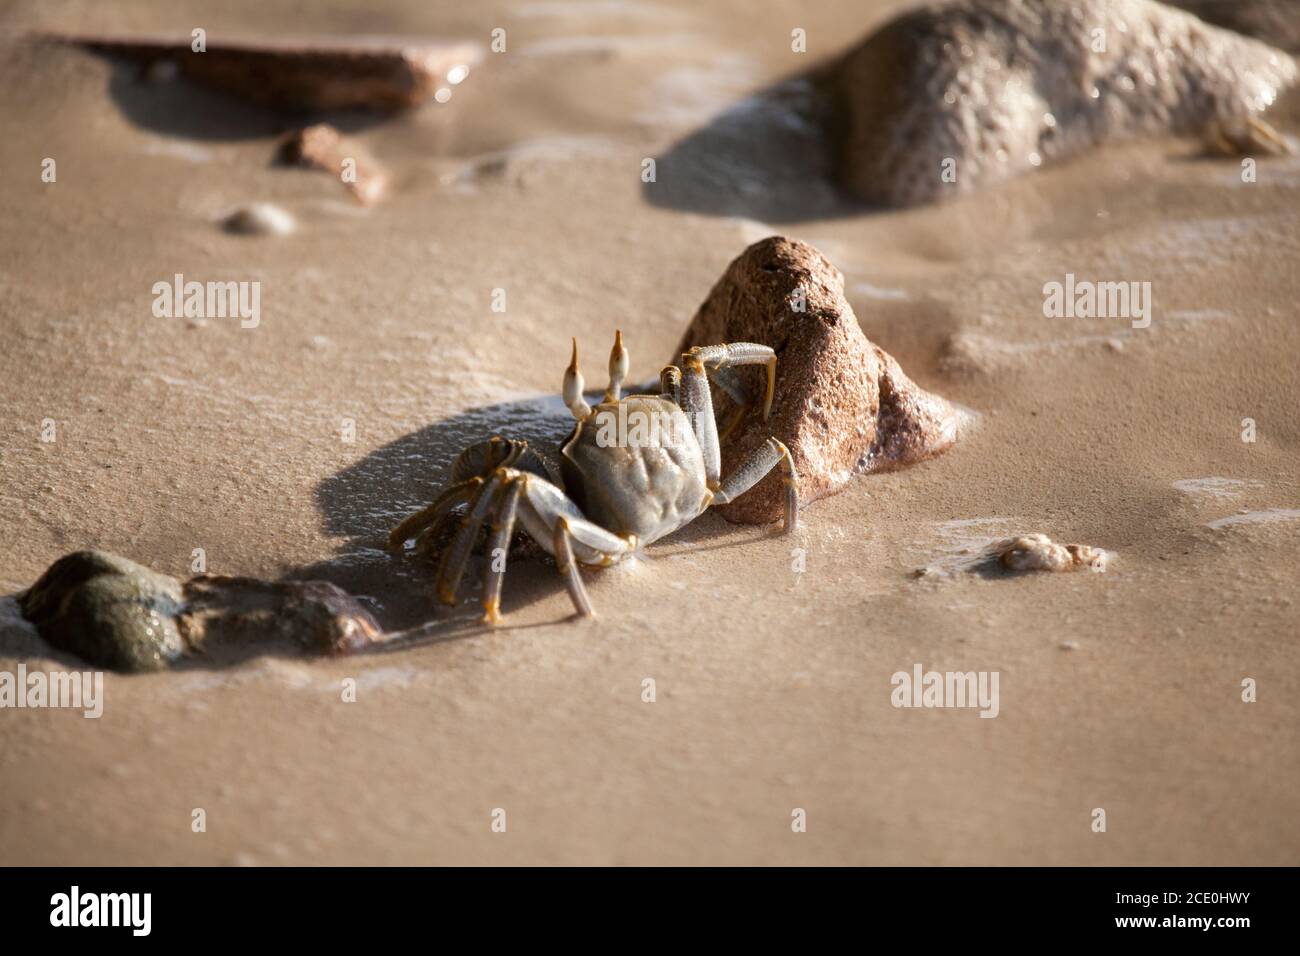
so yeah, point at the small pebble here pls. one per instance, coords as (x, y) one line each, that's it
(324, 148)
(1038, 552)
(259, 219)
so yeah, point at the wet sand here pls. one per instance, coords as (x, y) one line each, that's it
(773, 686)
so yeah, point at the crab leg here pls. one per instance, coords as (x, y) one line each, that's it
(670, 384)
(730, 382)
(697, 401)
(569, 568)
(429, 517)
(543, 505)
(552, 520)
(766, 457)
(484, 457)
(717, 357)
(453, 562)
(503, 527)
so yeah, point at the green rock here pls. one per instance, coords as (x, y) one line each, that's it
(109, 611)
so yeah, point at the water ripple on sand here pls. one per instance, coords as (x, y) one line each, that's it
(1215, 487)
(1256, 517)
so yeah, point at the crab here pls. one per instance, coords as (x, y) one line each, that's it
(634, 469)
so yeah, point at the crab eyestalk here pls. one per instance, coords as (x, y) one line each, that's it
(573, 388)
(618, 366)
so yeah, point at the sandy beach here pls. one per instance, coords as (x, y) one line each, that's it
(289, 449)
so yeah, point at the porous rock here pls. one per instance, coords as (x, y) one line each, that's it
(842, 405)
(1038, 552)
(950, 97)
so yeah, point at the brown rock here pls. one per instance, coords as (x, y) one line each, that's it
(951, 97)
(316, 615)
(323, 147)
(843, 406)
(305, 74)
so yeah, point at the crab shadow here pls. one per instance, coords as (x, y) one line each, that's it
(363, 501)
(771, 156)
